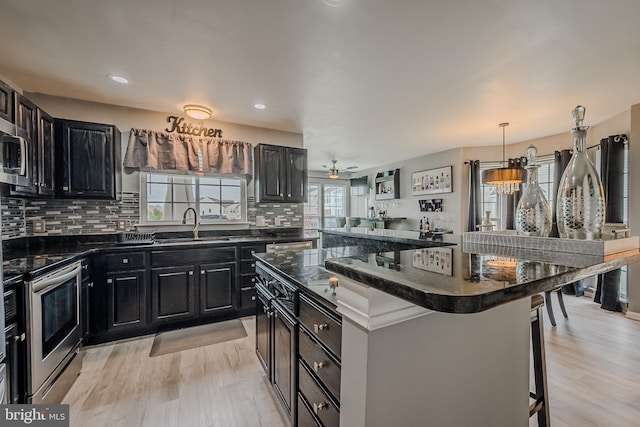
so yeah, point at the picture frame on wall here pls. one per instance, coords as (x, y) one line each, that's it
(432, 181)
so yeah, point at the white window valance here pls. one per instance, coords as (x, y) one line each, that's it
(148, 149)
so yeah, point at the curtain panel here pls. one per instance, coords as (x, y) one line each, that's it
(612, 175)
(148, 149)
(474, 216)
(513, 199)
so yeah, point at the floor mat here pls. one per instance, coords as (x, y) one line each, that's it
(197, 336)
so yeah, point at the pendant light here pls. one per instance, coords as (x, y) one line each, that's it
(505, 180)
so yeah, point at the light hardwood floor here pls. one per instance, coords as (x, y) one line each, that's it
(593, 366)
(220, 385)
(593, 362)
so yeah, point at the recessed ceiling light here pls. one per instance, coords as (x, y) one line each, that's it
(260, 106)
(334, 2)
(118, 79)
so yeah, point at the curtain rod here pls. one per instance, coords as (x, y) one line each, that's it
(540, 156)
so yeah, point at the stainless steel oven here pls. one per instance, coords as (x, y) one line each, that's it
(14, 158)
(54, 333)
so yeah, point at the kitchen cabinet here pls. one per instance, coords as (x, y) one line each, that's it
(6, 101)
(172, 294)
(248, 277)
(277, 337)
(281, 174)
(126, 299)
(87, 159)
(46, 154)
(193, 283)
(25, 116)
(284, 357)
(86, 289)
(216, 287)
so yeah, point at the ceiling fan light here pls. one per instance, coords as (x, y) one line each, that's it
(333, 174)
(199, 112)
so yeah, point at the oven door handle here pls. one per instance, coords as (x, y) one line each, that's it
(52, 282)
(23, 156)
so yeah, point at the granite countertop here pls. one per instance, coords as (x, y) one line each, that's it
(451, 277)
(305, 268)
(47, 255)
(416, 238)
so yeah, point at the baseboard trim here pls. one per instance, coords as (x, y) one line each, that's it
(633, 315)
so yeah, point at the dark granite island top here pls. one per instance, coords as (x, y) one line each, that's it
(445, 276)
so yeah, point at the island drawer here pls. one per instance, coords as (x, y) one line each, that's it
(305, 417)
(321, 362)
(319, 402)
(248, 280)
(321, 325)
(248, 297)
(128, 260)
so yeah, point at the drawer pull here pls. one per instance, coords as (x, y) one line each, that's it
(317, 407)
(253, 264)
(321, 327)
(318, 365)
(253, 280)
(264, 309)
(190, 272)
(90, 284)
(125, 261)
(202, 272)
(253, 297)
(85, 267)
(109, 280)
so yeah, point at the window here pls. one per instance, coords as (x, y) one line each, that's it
(625, 219)
(326, 203)
(545, 180)
(489, 202)
(165, 197)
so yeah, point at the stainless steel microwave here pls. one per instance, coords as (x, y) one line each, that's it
(14, 160)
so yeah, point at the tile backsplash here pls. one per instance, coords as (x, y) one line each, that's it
(62, 216)
(66, 217)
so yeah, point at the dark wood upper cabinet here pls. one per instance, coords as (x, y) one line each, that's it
(281, 174)
(26, 117)
(46, 154)
(87, 160)
(6, 101)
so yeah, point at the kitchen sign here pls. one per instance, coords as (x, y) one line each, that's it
(178, 125)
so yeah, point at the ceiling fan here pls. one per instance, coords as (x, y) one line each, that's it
(334, 173)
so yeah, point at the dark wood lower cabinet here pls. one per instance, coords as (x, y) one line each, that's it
(263, 328)
(284, 356)
(13, 360)
(305, 417)
(126, 299)
(216, 287)
(172, 294)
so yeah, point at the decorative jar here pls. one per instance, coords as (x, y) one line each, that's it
(533, 213)
(580, 208)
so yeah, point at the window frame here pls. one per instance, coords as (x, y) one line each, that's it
(143, 186)
(321, 183)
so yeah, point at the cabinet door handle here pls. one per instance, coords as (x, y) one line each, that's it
(319, 407)
(253, 280)
(253, 264)
(318, 365)
(16, 338)
(289, 194)
(281, 194)
(190, 272)
(322, 327)
(90, 284)
(202, 272)
(253, 297)
(85, 267)
(23, 336)
(125, 261)
(109, 280)
(264, 309)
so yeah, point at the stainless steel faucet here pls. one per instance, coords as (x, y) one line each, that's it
(196, 223)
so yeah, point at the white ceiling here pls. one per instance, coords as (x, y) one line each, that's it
(369, 82)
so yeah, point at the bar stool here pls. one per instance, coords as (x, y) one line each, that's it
(540, 406)
(547, 298)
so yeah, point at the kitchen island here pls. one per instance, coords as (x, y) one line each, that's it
(435, 335)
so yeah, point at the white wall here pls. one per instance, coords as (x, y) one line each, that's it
(407, 205)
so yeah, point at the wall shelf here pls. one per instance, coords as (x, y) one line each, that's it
(388, 185)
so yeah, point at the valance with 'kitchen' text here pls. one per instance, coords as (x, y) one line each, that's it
(148, 149)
